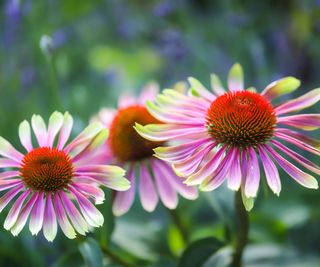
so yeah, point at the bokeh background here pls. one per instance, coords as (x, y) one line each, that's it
(101, 48)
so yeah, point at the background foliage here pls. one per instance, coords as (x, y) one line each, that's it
(101, 48)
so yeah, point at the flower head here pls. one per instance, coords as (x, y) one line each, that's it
(221, 135)
(47, 180)
(127, 148)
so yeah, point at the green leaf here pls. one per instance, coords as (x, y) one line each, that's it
(91, 253)
(198, 252)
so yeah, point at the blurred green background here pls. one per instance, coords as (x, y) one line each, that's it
(101, 48)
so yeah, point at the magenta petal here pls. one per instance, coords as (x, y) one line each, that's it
(9, 174)
(300, 176)
(167, 193)
(147, 191)
(23, 216)
(7, 197)
(235, 177)
(9, 163)
(124, 200)
(253, 174)
(270, 171)
(299, 136)
(76, 218)
(90, 190)
(37, 214)
(307, 122)
(176, 182)
(7, 184)
(297, 157)
(15, 210)
(63, 221)
(50, 221)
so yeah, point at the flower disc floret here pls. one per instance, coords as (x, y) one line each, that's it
(241, 119)
(46, 169)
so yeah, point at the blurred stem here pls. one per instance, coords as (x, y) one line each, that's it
(176, 218)
(115, 258)
(242, 230)
(54, 94)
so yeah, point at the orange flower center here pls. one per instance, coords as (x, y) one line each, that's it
(46, 169)
(126, 144)
(241, 119)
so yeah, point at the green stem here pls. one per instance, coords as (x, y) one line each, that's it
(180, 225)
(115, 258)
(242, 230)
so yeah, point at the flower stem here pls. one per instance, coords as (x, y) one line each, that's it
(115, 258)
(242, 230)
(180, 225)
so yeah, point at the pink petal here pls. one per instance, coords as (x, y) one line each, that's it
(37, 214)
(15, 210)
(90, 190)
(7, 197)
(253, 174)
(50, 221)
(167, 193)
(270, 171)
(9, 174)
(39, 129)
(9, 163)
(299, 103)
(307, 122)
(55, 124)
(91, 214)
(76, 218)
(8, 151)
(126, 100)
(25, 135)
(7, 184)
(65, 130)
(106, 116)
(23, 216)
(235, 177)
(147, 191)
(297, 157)
(298, 143)
(63, 221)
(149, 92)
(199, 88)
(301, 177)
(124, 200)
(299, 136)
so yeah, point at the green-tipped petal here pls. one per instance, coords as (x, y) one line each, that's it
(281, 87)
(216, 85)
(248, 202)
(235, 78)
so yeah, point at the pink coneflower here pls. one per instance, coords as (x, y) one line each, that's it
(221, 135)
(47, 179)
(128, 149)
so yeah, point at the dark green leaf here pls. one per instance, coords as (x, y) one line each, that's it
(91, 252)
(198, 252)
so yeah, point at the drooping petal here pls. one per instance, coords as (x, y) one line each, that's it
(15, 210)
(37, 214)
(299, 103)
(8, 151)
(301, 177)
(216, 85)
(9, 163)
(297, 157)
(280, 87)
(63, 221)
(91, 214)
(39, 129)
(298, 143)
(253, 174)
(65, 130)
(23, 216)
(235, 78)
(188, 192)
(25, 135)
(207, 169)
(50, 220)
(307, 122)
(271, 171)
(167, 193)
(147, 191)
(7, 197)
(76, 218)
(190, 164)
(8, 184)
(90, 190)
(198, 89)
(124, 200)
(299, 136)
(55, 124)
(219, 175)
(235, 177)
